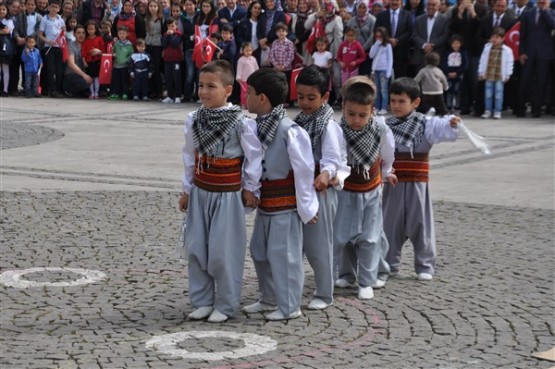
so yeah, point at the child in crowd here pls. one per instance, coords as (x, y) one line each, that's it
(496, 66)
(359, 221)
(122, 51)
(350, 55)
(322, 57)
(140, 69)
(407, 207)
(381, 54)
(433, 82)
(172, 42)
(51, 26)
(454, 66)
(32, 63)
(106, 33)
(282, 51)
(71, 24)
(330, 156)
(91, 50)
(246, 65)
(227, 44)
(287, 199)
(8, 48)
(222, 155)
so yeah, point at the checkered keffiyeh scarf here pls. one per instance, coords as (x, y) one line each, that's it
(315, 123)
(408, 131)
(212, 126)
(363, 146)
(267, 125)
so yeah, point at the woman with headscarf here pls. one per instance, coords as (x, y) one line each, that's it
(332, 25)
(363, 23)
(134, 23)
(301, 33)
(273, 14)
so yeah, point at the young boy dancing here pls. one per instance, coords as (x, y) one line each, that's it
(287, 199)
(359, 222)
(221, 155)
(330, 156)
(408, 206)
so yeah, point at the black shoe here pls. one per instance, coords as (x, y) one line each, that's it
(56, 95)
(4, 94)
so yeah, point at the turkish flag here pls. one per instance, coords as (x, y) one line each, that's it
(316, 31)
(512, 39)
(62, 43)
(293, 84)
(298, 61)
(105, 74)
(197, 50)
(244, 88)
(204, 52)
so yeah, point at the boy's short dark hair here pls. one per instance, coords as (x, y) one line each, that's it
(271, 83)
(432, 59)
(140, 42)
(454, 38)
(498, 31)
(216, 36)
(405, 85)
(282, 26)
(170, 21)
(315, 76)
(54, 2)
(361, 93)
(227, 28)
(31, 37)
(123, 28)
(222, 68)
(350, 29)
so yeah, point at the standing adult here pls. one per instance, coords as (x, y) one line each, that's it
(91, 9)
(415, 8)
(42, 7)
(363, 24)
(466, 23)
(246, 31)
(536, 52)
(232, 14)
(188, 18)
(266, 30)
(398, 23)
(14, 10)
(76, 81)
(430, 34)
(155, 27)
(206, 19)
(68, 9)
(134, 23)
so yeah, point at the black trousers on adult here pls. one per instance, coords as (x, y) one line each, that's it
(538, 68)
(54, 69)
(155, 83)
(469, 90)
(14, 71)
(75, 85)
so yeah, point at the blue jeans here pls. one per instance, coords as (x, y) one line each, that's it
(31, 84)
(453, 94)
(494, 92)
(382, 89)
(189, 85)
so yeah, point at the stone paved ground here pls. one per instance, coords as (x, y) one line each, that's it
(490, 306)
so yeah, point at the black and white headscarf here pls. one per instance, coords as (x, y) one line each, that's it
(315, 123)
(363, 145)
(267, 125)
(212, 126)
(408, 131)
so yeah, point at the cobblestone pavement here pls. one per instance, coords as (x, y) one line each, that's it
(490, 305)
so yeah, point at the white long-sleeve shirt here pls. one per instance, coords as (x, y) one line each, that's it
(252, 151)
(382, 58)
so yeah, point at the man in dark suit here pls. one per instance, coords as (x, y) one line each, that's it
(430, 33)
(536, 52)
(398, 23)
(521, 6)
(499, 17)
(231, 14)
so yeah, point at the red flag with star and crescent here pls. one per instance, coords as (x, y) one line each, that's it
(512, 39)
(204, 48)
(105, 73)
(62, 43)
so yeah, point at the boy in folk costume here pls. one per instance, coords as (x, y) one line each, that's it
(408, 206)
(222, 155)
(359, 222)
(287, 199)
(330, 155)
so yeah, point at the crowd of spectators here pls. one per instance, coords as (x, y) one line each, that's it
(384, 39)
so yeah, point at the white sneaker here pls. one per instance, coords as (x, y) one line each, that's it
(486, 115)
(258, 307)
(343, 283)
(365, 293)
(177, 100)
(497, 115)
(382, 112)
(167, 100)
(425, 277)
(200, 313)
(278, 315)
(217, 317)
(317, 304)
(380, 283)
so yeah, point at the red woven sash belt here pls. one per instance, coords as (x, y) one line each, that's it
(357, 183)
(217, 174)
(278, 195)
(409, 169)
